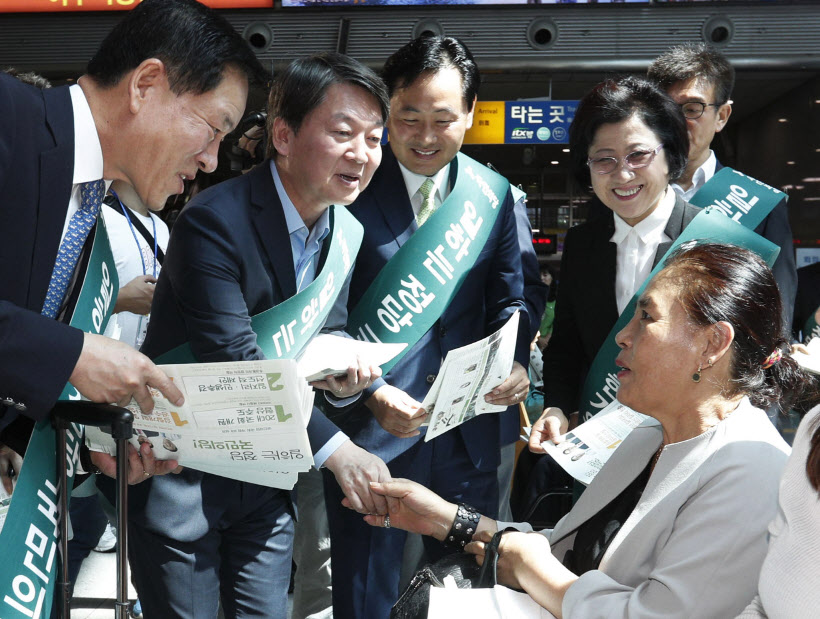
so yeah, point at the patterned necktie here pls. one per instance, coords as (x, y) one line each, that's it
(80, 224)
(428, 201)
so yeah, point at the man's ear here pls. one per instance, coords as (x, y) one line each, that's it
(470, 113)
(282, 137)
(150, 75)
(723, 113)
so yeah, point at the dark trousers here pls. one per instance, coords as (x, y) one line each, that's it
(244, 559)
(366, 561)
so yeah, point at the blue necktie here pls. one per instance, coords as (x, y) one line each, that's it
(80, 224)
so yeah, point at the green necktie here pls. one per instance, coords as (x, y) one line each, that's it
(428, 201)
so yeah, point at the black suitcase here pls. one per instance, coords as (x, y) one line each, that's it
(119, 421)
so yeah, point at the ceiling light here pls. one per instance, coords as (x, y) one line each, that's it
(554, 162)
(790, 163)
(782, 120)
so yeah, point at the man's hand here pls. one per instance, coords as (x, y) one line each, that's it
(136, 295)
(141, 464)
(354, 469)
(10, 464)
(396, 411)
(513, 390)
(551, 426)
(359, 377)
(111, 372)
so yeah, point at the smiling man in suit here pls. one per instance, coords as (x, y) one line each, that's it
(151, 111)
(416, 193)
(241, 248)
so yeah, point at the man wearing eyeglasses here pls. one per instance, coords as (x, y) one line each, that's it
(700, 79)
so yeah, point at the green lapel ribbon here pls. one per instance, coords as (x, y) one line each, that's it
(284, 330)
(811, 329)
(741, 199)
(30, 535)
(417, 284)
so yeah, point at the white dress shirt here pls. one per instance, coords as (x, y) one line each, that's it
(413, 182)
(637, 246)
(703, 174)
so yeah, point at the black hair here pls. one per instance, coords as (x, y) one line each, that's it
(302, 87)
(694, 60)
(616, 100)
(195, 44)
(429, 53)
(721, 282)
(29, 77)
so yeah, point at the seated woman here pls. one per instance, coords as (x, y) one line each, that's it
(628, 142)
(674, 525)
(788, 580)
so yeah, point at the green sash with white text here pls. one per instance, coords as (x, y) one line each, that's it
(811, 329)
(729, 196)
(284, 330)
(417, 284)
(30, 535)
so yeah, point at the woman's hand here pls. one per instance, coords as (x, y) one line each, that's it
(525, 562)
(142, 464)
(551, 426)
(414, 508)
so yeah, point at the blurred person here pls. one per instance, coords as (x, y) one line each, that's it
(656, 532)
(806, 320)
(150, 110)
(700, 79)
(787, 588)
(433, 84)
(238, 249)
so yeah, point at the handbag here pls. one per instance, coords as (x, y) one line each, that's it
(414, 601)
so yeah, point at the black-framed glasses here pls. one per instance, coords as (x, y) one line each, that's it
(634, 160)
(695, 109)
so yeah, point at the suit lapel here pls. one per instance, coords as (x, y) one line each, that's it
(628, 461)
(56, 179)
(674, 226)
(605, 253)
(272, 228)
(389, 195)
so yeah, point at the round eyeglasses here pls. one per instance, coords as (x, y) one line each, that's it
(634, 160)
(695, 109)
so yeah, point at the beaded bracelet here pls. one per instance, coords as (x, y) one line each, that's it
(464, 526)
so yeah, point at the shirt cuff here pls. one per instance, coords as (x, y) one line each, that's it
(328, 448)
(341, 402)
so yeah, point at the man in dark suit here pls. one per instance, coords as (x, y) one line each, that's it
(149, 112)
(238, 249)
(700, 79)
(433, 83)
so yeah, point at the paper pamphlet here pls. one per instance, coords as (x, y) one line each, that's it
(466, 375)
(496, 603)
(809, 362)
(245, 420)
(586, 449)
(330, 355)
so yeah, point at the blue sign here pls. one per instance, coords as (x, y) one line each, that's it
(538, 122)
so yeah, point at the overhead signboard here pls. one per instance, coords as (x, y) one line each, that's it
(521, 122)
(44, 6)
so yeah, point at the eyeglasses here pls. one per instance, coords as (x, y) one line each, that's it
(634, 160)
(695, 109)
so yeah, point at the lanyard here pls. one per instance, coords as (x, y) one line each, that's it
(134, 234)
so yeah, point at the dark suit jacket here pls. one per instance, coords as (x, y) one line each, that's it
(585, 306)
(808, 297)
(229, 258)
(37, 354)
(490, 294)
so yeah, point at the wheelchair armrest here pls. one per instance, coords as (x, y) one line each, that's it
(105, 416)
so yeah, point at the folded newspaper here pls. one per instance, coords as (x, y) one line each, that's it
(811, 361)
(586, 449)
(245, 420)
(331, 355)
(467, 374)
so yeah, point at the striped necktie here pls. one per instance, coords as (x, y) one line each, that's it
(80, 224)
(428, 201)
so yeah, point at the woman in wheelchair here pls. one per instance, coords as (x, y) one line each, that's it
(674, 524)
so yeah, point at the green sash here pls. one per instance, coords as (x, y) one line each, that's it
(740, 197)
(279, 334)
(30, 535)
(418, 282)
